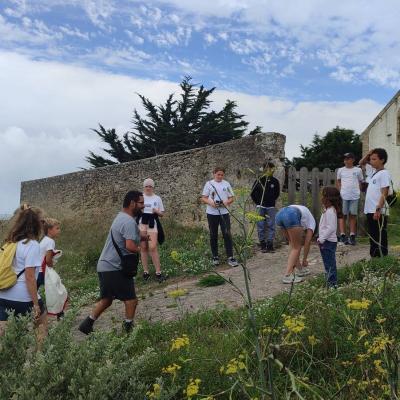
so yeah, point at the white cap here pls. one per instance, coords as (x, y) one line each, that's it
(148, 182)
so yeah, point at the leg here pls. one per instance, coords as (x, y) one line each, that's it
(271, 228)
(384, 237)
(342, 225)
(130, 308)
(226, 233)
(261, 225)
(213, 222)
(373, 233)
(295, 240)
(144, 251)
(153, 250)
(41, 329)
(328, 254)
(100, 307)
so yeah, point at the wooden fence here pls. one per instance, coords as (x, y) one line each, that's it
(304, 187)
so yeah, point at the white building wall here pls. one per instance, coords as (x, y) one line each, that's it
(384, 134)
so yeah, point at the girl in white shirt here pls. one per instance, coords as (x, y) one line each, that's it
(22, 298)
(327, 239)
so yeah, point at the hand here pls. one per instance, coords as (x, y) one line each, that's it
(36, 312)
(304, 264)
(377, 215)
(211, 203)
(226, 203)
(156, 211)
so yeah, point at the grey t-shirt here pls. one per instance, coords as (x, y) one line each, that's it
(124, 227)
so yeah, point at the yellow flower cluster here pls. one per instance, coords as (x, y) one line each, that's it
(180, 342)
(253, 217)
(155, 393)
(242, 192)
(192, 388)
(172, 370)
(312, 340)
(379, 344)
(234, 365)
(175, 256)
(294, 324)
(379, 368)
(357, 304)
(177, 293)
(267, 330)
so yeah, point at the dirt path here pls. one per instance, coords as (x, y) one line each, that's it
(265, 272)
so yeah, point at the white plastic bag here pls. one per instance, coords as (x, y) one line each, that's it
(56, 294)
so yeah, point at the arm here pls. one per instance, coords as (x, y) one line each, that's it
(307, 245)
(277, 188)
(32, 289)
(207, 200)
(381, 202)
(229, 201)
(330, 226)
(339, 184)
(131, 246)
(365, 159)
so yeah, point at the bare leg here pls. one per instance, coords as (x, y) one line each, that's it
(100, 307)
(153, 250)
(295, 240)
(353, 223)
(41, 328)
(342, 225)
(144, 255)
(130, 308)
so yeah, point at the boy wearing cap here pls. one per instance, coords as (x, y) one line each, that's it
(349, 180)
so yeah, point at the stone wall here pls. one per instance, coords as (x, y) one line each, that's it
(179, 177)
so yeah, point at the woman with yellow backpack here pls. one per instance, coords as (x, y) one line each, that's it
(19, 267)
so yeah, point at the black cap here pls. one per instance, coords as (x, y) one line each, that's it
(349, 155)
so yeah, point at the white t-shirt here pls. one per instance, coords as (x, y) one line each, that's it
(379, 180)
(350, 179)
(328, 226)
(307, 219)
(369, 171)
(46, 244)
(218, 191)
(27, 255)
(151, 202)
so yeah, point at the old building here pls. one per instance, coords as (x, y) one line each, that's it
(384, 131)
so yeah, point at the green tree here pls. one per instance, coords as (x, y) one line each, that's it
(179, 124)
(327, 151)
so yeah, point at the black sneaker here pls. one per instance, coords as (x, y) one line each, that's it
(270, 246)
(232, 262)
(343, 239)
(352, 240)
(215, 261)
(60, 316)
(263, 246)
(146, 276)
(127, 326)
(86, 326)
(160, 277)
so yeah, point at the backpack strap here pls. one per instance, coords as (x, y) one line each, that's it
(115, 245)
(20, 273)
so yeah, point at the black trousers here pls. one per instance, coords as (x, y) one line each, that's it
(377, 230)
(225, 222)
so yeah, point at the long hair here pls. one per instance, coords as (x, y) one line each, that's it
(27, 224)
(331, 197)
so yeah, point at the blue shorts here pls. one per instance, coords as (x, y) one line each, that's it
(8, 307)
(288, 217)
(350, 207)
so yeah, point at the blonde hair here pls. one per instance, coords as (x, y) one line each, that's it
(49, 223)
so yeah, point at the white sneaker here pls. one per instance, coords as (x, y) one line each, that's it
(232, 262)
(292, 279)
(303, 271)
(215, 261)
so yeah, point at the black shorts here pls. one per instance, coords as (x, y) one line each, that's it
(8, 307)
(115, 285)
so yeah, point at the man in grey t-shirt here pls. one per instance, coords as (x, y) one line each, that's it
(113, 284)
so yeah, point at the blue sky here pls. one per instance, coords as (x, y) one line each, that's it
(302, 69)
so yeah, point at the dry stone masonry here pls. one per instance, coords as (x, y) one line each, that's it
(179, 177)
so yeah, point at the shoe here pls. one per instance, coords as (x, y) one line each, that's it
(60, 315)
(127, 326)
(263, 246)
(352, 240)
(215, 261)
(343, 239)
(86, 326)
(160, 277)
(292, 279)
(270, 246)
(303, 272)
(146, 276)
(232, 262)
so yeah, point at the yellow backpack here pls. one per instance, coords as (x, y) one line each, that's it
(8, 277)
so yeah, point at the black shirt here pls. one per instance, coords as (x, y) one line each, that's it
(265, 191)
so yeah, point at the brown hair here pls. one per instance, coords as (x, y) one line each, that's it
(49, 223)
(217, 169)
(27, 224)
(331, 197)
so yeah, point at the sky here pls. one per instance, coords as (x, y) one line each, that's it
(298, 68)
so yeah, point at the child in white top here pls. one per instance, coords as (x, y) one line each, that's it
(327, 239)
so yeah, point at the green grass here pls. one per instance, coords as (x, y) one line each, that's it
(211, 280)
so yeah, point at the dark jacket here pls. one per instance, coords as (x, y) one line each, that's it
(265, 197)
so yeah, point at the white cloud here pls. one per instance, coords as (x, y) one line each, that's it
(47, 110)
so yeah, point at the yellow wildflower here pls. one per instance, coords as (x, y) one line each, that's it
(379, 343)
(362, 357)
(175, 255)
(347, 363)
(357, 304)
(362, 333)
(379, 368)
(192, 388)
(177, 293)
(253, 217)
(380, 319)
(233, 366)
(294, 324)
(180, 342)
(155, 393)
(172, 370)
(312, 340)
